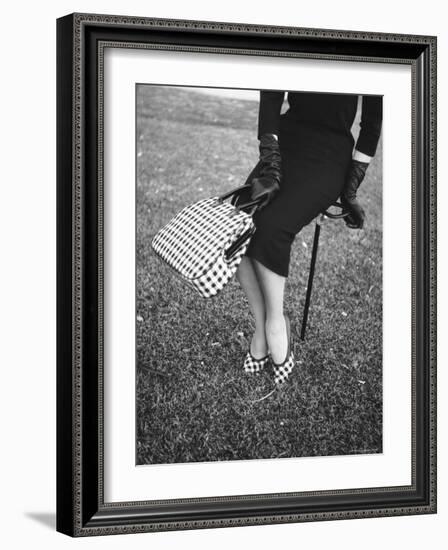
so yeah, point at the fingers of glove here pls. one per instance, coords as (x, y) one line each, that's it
(355, 217)
(350, 222)
(355, 223)
(360, 215)
(255, 195)
(263, 198)
(262, 185)
(263, 204)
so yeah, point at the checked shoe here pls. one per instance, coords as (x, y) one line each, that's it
(283, 370)
(254, 366)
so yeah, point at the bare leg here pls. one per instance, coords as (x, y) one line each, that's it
(273, 288)
(248, 280)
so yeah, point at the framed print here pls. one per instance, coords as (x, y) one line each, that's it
(246, 274)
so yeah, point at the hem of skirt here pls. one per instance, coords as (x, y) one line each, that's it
(262, 260)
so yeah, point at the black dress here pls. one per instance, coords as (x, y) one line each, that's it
(316, 146)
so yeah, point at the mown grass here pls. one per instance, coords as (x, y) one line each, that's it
(193, 401)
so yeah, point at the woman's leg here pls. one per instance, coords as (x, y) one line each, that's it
(273, 287)
(248, 280)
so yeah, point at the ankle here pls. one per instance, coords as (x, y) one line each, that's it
(277, 339)
(275, 325)
(258, 345)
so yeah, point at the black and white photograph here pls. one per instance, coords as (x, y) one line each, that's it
(259, 296)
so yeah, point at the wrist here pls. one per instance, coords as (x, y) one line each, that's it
(356, 174)
(349, 196)
(361, 157)
(268, 137)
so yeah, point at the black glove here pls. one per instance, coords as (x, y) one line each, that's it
(355, 175)
(266, 182)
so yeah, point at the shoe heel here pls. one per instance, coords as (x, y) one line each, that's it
(283, 370)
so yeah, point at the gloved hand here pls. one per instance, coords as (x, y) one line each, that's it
(356, 214)
(266, 182)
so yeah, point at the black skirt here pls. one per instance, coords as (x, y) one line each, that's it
(315, 160)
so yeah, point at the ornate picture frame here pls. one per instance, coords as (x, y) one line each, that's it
(81, 43)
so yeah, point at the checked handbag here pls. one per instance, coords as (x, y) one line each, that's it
(205, 242)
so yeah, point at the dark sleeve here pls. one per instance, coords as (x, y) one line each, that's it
(269, 112)
(371, 120)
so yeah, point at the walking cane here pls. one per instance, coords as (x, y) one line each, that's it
(321, 218)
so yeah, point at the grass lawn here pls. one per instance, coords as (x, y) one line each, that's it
(194, 403)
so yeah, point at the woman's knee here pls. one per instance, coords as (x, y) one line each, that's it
(271, 251)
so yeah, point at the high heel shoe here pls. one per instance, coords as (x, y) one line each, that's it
(283, 370)
(254, 366)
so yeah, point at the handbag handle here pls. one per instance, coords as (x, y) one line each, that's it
(245, 186)
(235, 193)
(253, 205)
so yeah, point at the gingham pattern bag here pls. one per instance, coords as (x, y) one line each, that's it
(205, 241)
